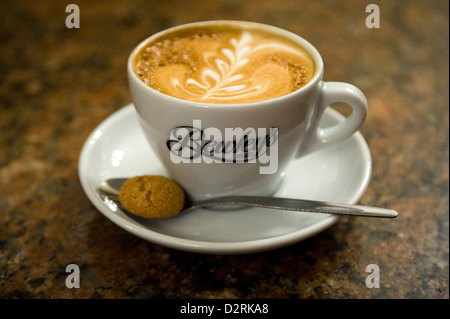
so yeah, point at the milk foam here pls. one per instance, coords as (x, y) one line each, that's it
(225, 67)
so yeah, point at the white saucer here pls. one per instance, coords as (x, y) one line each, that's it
(117, 148)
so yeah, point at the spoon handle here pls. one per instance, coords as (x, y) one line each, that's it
(300, 205)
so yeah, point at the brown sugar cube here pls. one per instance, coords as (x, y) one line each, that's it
(152, 196)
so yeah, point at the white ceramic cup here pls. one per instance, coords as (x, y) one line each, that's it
(294, 116)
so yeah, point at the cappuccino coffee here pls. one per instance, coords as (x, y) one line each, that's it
(223, 64)
(226, 106)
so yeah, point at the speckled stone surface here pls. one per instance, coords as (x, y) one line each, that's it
(57, 84)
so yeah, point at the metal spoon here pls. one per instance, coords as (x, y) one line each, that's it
(111, 187)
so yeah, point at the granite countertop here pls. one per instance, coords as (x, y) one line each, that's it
(57, 84)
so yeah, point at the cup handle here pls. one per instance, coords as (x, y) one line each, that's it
(329, 93)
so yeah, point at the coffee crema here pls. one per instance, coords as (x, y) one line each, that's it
(223, 64)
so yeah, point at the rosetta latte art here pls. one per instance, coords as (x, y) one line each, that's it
(246, 67)
(222, 79)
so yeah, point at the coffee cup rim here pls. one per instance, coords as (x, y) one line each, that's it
(314, 53)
